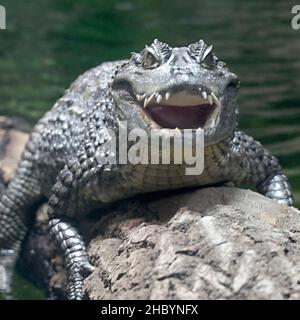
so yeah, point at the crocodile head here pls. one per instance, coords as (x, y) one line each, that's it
(185, 88)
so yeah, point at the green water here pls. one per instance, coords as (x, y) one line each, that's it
(49, 42)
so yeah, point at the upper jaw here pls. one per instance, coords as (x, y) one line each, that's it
(179, 97)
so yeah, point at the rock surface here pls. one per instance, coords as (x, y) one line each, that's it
(216, 243)
(213, 243)
(13, 137)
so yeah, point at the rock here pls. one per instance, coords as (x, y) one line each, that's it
(13, 137)
(213, 243)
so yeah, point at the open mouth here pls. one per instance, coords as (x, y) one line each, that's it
(182, 109)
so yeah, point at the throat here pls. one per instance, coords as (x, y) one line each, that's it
(182, 117)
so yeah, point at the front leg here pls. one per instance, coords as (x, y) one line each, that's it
(260, 168)
(71, 244)
(75, 254)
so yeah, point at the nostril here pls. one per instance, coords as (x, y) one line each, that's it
(233, 83)
(178, 70)
(182, 70)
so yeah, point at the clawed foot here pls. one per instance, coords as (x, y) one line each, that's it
(7, 263)
(75, 253)
(77, 273)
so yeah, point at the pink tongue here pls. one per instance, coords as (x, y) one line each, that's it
(187, 117)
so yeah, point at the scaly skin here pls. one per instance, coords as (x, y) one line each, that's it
(63, 159)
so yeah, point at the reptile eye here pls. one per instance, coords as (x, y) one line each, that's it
(149, 60)
(208, 60)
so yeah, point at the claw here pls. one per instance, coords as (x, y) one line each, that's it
(87, 269)
(77, 273)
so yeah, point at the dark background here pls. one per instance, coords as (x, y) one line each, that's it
(48, 43)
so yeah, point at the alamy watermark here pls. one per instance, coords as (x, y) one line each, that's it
(295, 23)
(157, 146)
(2, 18)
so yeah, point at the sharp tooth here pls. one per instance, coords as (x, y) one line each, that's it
(146, 101)
(156, 94)
(214, 96)
(210, 100)
(159, 98)
(139, 97)
(168, 94)
(151, 97)
(216, 100)
(204, 95)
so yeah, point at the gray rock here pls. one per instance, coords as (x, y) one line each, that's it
(215, 243)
